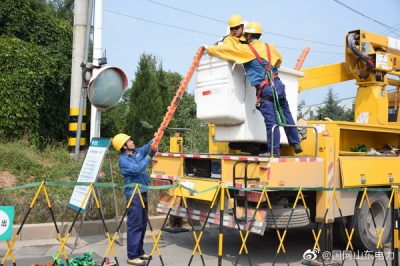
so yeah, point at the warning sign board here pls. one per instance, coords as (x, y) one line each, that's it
(6, 222)
(89, 171)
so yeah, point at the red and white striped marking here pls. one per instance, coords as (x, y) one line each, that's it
(160, 182)
(183, 155)
(239, 185)
(165, 177)
(242, 158)
(330, 174)
(297, 160)
(214, 218)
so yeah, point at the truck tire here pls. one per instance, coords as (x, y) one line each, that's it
(298, 219)
(365, 235)
(340, 238)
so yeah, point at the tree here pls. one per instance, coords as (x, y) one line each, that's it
(165, 91)
(301, 113)
(113, 120)
(63, 9)
(145, 103)
(331, 109)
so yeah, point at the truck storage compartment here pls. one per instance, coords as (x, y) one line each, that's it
(359, 171)
(224, 97)
(366, 155)
(209, 168)
(197, 167)
(376, 137)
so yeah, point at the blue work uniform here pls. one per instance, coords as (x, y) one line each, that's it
(133, 168)
(256, 73)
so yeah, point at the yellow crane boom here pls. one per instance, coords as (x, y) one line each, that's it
(370, 58)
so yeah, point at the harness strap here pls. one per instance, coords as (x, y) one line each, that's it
(263, 83)
(259, 59)
(267, 68)
(281, 120)
(259, 90)
(268, 53)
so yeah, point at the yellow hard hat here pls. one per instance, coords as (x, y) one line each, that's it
(235, 20)
(253, 27)
(119, 140)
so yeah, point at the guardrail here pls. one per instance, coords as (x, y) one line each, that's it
(220, 197)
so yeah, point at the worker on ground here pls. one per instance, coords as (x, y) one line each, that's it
(236, 27)
(132, 164)
(257, 58)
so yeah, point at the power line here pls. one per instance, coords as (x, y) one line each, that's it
(329, 60)
(160, 23)
(311, 50)
(317, 104)
(301, 39)
(185, 11)
(199, 32)
(394, 26)
(393, 30)
(221, 21)
(338, 100)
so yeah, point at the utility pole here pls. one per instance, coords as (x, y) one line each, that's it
(81, 32)
(104, 86)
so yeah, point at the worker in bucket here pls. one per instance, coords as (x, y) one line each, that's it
(235, 35)
(132, 164)
(260, 62)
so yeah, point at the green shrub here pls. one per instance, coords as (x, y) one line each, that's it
(35, 63)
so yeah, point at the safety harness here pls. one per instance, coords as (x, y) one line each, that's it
(268, 80)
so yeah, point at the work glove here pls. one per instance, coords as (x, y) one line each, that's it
(151, 153)
(205, 47)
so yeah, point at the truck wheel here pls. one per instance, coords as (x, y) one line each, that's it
(365, 237)
(340, 238)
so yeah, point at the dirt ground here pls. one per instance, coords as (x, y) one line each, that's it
(7, 179)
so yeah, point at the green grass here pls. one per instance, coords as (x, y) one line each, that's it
(29, 164)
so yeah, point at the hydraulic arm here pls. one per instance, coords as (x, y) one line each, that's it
(370, 58)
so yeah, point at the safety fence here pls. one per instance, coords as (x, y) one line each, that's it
(221, 197)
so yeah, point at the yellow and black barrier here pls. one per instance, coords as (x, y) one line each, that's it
(63, 239)
(220, 197)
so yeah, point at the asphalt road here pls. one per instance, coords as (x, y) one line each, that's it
(176, 249)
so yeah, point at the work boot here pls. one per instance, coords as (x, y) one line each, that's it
(268, 154)
(145, 257)
(297, 148)
(136, 261)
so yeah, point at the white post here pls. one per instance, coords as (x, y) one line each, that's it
(95, 114)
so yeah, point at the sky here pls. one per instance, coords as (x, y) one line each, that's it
(173, 30)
